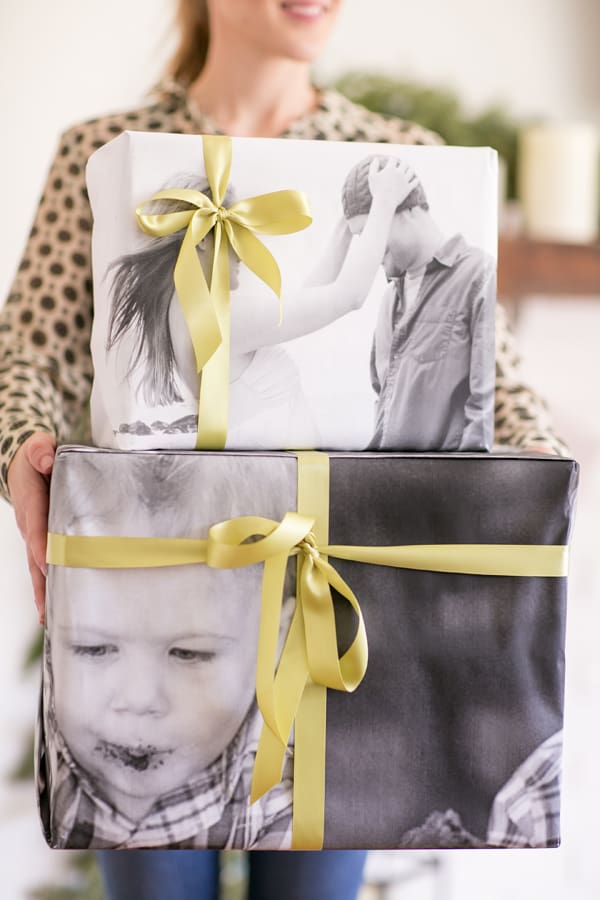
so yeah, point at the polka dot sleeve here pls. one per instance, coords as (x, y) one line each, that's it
(45, 364)
(521, 417)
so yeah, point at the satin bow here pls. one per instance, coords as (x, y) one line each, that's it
(206, 309)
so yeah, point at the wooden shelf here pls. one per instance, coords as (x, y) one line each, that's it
(528, 267)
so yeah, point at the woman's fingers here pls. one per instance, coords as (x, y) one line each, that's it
(36, 518)
(28, 485)
(541, 448)
(38, 581)
(40, 449)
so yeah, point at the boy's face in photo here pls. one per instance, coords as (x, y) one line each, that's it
(403, 246)
(154, 673)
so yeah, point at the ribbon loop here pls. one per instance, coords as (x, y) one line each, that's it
(206, 308)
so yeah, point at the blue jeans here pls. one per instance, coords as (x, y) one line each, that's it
(194, 874)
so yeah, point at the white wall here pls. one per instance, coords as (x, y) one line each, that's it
(60, 62)
(536, 56)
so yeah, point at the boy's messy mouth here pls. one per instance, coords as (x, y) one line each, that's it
(141, 758)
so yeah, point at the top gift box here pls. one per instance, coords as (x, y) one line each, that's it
(266, 294)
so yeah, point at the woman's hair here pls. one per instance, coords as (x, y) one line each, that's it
(192, 24)
(142, 291)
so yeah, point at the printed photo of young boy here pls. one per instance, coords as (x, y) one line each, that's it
(150, 732)
(151, 720)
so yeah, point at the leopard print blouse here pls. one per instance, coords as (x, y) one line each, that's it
(45, 363)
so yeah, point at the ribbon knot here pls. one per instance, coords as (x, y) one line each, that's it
(206, 308)
(308, 546)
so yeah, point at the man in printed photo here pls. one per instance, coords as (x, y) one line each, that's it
(434, 335)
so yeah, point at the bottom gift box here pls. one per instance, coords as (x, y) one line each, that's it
(299, 650)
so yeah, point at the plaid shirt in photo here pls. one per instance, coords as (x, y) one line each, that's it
(526, 811)
(211, 811)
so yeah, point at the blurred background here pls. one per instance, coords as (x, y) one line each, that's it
(521, 75)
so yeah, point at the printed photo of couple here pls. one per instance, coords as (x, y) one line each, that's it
(386, 340)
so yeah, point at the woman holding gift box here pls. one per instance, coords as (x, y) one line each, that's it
(242, 67)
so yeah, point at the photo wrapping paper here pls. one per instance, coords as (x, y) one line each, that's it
(453, 737)
(385, 338)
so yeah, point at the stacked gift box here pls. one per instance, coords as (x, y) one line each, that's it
(254, 647)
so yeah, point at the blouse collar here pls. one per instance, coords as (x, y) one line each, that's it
(175, 94)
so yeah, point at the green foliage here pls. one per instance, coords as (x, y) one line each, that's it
(34, 651)
(438, 109)
(86, 882)
(23, 768)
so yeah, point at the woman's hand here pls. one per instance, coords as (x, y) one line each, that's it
(392, 183)
(28, 482)
(546, 449)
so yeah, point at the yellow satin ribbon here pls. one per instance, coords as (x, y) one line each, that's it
(206, 310)
(310, 724)
(513, 560)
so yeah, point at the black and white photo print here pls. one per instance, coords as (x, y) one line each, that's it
(433, 339)
(151, 724)
(452, 739)
(386, 337)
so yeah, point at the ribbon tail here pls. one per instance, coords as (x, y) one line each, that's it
(308, 821)
(268, 641)
(213, 394)
(268, 764)
(256, 256)
(195, 299)
(289, 685)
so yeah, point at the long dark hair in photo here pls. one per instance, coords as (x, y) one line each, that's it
(142, 290)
